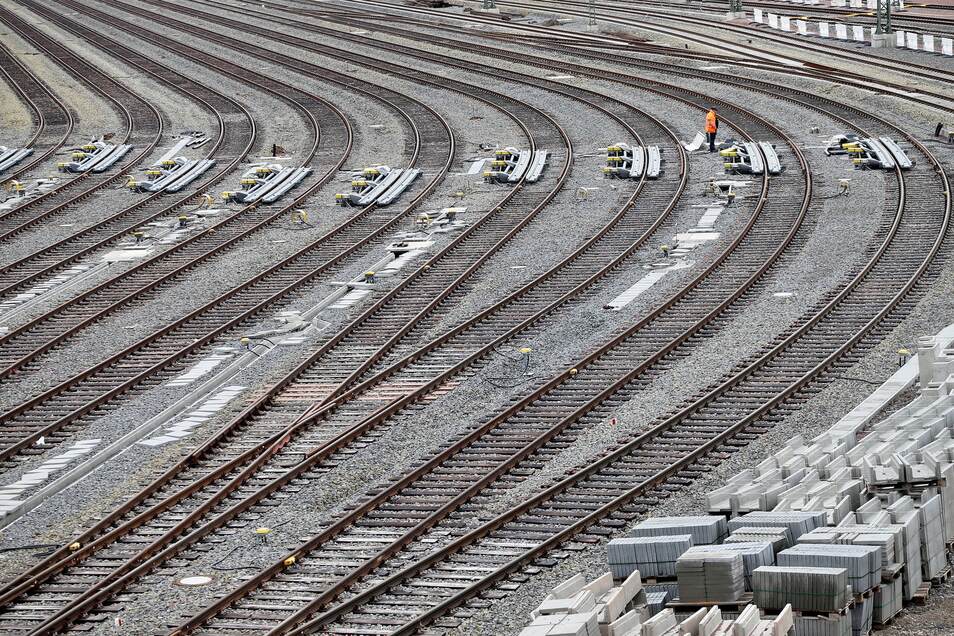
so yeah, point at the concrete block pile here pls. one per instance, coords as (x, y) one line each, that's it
(597, 608)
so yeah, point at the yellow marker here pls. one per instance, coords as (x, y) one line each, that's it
(573, 371)
(289, 561)
(524, 350)
(75, 546)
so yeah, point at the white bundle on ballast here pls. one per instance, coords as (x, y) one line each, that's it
(795, 523)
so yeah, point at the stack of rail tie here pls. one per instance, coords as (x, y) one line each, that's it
(829, 538)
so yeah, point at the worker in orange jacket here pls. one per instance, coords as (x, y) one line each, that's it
(712, 127)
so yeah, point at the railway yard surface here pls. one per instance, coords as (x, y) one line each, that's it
(386, 316)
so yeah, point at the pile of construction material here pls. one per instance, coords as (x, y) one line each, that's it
(750, 157)
(873, 153)
(511, 165)
(173, 172)
(9, 157)
(632, 162)
(378, 185)
(577, 608)
(96, 156)
(267, 183)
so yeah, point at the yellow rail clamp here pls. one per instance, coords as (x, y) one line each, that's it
(614, 149)
(498, 164)
(358, 183)
(728, 166)
(263, 170)
(89, 147)
(79, 155)
(607, 170)
(615, 159)
(61, 165)
(573, 371)
(488, 174)
(729, 152)
(370, 172)
(226, 195)
(341, 196)
(290, 561)
(524, 350)
(75, 546)
(168, 163)
(502, 153)
(248, 181)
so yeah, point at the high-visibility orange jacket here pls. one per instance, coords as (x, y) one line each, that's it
(712, 122)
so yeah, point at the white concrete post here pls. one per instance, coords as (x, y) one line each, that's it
(841, 31)
(823, 29)
(928, 42)
(947, 46)
(858, 33)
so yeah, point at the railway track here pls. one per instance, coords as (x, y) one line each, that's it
(515, 540)
(255, 611)
(229, 146)
(143, 127)
(53, 118)
(326, 124)
(179, 544)
(483, 555)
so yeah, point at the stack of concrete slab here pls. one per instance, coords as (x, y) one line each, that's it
(888, 600)
(704, 530)
(863, 562)
(810, 589)
(652, 556)
(710, 577)
(754, 555)
(777, 537)
(656, 601)
(795, 524)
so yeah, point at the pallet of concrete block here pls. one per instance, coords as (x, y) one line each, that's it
(267, 183)
(599, 605)
(96, 156)
(806, 589)
(862, 562)
(704, 530)
(10, 157)
(795, 524)
(776, 537)
(380, 185)
(511, 165)
(653, 557)
(754, 555)
(632, 162)
(710, 577)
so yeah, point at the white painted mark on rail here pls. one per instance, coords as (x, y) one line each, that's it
(195, 417)
(35, 477)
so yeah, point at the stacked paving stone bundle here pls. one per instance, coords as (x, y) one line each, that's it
(808, 589)
(777, 537)
(795, 524)
(754, 555)
(863, 562)
(710, 576)
(704, 530)
(653, 557)
(577, 608)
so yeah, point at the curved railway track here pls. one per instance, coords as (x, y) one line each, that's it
(709, 424)
(54, 120)
(435, 491)
(143, 127)
(230, 145)
(257, 607)
(179, 544)
(328, 147)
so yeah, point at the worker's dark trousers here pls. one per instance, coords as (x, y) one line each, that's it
(710, 137)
